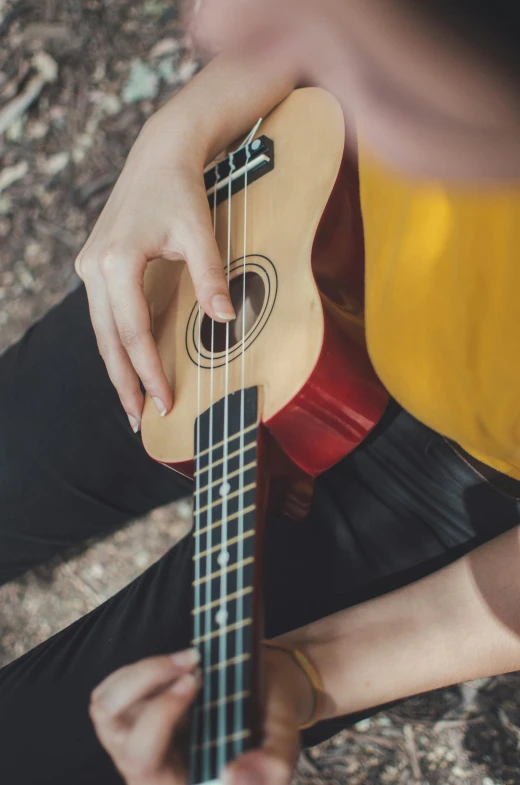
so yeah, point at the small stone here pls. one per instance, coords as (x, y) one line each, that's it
(46, 65)
(58, 116)
(24, 275)
(458, 772)
(100, 72)
(142, 559)
(82, 144)
(6, 205)
(15, 131)
(11, 174)
(167, 70)
(142, 83)
(111, 104)
(36, 256)
(97, 570)
(36, 129)
(167, 46)
(55, 163)
(155, 8)
(363, 725)
(187, 70)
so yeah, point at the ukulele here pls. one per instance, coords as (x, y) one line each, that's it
(269, 401)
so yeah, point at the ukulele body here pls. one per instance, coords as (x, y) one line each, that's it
(296, 233)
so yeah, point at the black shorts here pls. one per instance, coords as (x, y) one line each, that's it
(401, 506)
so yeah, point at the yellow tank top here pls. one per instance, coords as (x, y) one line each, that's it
(443, 306)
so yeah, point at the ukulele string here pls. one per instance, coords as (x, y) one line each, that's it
(224, 491)
(239, 633)
(207, 690)
(197, 620)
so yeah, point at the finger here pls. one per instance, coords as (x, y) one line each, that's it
(124, 281)
(202, 255)
(120, 370)
(151, 737)
(138, 681)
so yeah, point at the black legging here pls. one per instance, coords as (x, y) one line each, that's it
(400, 507)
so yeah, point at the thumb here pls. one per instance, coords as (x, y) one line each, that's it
(274, 764)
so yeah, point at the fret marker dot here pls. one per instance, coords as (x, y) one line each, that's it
(224, 489)
(221, 617)
(223, 558)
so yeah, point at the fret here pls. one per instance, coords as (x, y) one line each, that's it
(229, 569)
(215, 563)
(229, 497)
(237, 641)
(239, 658)
(233, 460)
(229, 699)
(218, 601)
(230, 737)
(222, 630)
(251, 430)
(218, 524)
(235, 519)
(214, 677)
(229, 476)
(219, 546)
(225, 489)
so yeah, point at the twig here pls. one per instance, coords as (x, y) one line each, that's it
(510, 726)
(46, 72)
(12, 16)
(85, 588)
(307, 763)
(409, 741)
(445, 724)
(63, 235)
(366, 738)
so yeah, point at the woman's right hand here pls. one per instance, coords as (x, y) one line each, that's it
(158, 208)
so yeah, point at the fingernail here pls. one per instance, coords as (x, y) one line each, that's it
(184, 685)
(159, 405)
(186, 658)
(223, 308)
(134, 424)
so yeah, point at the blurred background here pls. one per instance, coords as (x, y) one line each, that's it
(77, 80)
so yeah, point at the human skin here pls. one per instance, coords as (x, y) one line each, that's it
(429, 108)
(424, 103)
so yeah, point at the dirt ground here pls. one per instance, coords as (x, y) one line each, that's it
(77, 80)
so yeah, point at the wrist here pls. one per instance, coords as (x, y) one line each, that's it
(176, 137)
(282, 669)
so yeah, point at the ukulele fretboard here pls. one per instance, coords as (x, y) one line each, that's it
(226, 444)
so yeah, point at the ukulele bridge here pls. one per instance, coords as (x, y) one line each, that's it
(249, 163)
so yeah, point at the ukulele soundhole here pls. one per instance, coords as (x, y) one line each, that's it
(261, 282)
(248, 312)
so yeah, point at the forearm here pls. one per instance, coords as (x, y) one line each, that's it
(224, 101)
(460, 623)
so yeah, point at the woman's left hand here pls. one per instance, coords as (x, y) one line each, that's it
(137, 713)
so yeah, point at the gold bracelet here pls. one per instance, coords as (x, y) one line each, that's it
(312, 674)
